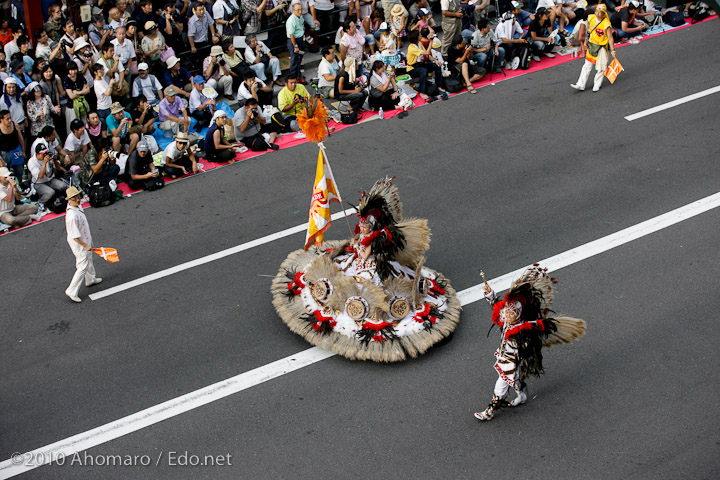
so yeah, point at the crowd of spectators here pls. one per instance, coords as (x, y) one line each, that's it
(84, 99)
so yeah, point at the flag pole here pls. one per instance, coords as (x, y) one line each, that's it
(327, 162)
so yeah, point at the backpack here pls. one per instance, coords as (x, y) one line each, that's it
(453, 84)
(100, 194)
(524, 58)
(674, 19)
(57, 204)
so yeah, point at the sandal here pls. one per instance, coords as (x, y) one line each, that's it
(430, 99)
(472, 90)
(444, 96)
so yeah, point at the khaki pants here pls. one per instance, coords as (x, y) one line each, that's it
(451, 27)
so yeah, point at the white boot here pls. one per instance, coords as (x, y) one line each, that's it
(521, 397)
(584, 75)
(489, 412)
(598, 81)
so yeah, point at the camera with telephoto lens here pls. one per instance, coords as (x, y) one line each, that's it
(221, 62)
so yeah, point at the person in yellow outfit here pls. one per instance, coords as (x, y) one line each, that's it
(601, 38)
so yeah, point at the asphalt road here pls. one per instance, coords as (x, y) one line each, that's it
(523, 170)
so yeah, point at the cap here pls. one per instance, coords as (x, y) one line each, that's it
(170, 91)
(116, 108)
(81, 43)
(143, 66)
(4, 172)
(216, 50)
(31, 86)
(181, 137)
(142, 146)
(41, 148)
(72, 192)
(634, 4)
(16, 64)
(172, 61)
(423, 12)
(150, 25)
(540, 12)
(515, 4)
(131, 23)
(10, 80)
(219, 114)
(198, 79)
(383, 27)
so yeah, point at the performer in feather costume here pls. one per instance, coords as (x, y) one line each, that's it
(370, 297)
(526, 327)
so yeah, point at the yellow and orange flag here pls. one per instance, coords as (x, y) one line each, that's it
(324, 193)
(109, 254)
(613, 70)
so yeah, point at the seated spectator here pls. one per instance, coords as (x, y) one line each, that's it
(119, 124)
(142, 115)
(624, 23)
(10, 213)
(95, 129)
(255, 88)
(345, 87)
(523, 17)
(510, 33)
(147, 84)
(459, 55)
(383, 88)
(217, 148)
(257, 53)
(420, 62)
(172, 113)
(178, 76)
(291, 96)
(77, 142)
(250, 124)
(327, 71)
(540, 36)
(43, 168)
(555, 11)
(201, 107)
(101, 164)
(142, 172)
(177, 158)
(103, 91)
(12, 144)
(486, 47)
(237, 65)
(217, 73)
(48, 137)
(124, 48)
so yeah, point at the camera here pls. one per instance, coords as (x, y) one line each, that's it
(235, 13)
(221, 62)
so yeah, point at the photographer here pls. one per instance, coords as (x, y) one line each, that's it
(485, 45)
(459, 55)
(254, 88)
(43, 167)
(258, 54)
(253, 13)
(99, 32)
(102, 164)
(84, 59)
(292, 96)
(250, 125)
(16, 215)
(68, 38)
(217, 73)
(172, 27)
(227, 14)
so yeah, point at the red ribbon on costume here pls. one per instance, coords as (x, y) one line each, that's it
(423, 315)
(297, 284)
(525, 326)
(322, 319)
(370, 238)
(434, 288)
(376, 326)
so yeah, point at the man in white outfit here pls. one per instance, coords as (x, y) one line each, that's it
(80, 241)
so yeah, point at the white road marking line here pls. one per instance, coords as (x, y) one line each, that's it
(207, 259)
(674, 103)
(150, 416)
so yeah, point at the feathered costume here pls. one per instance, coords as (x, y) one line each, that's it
(526, 327)
(371, 297)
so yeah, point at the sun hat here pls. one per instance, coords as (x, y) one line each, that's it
(182, 137)
(4, 172)
(216, 50)
(116, 108)
(81, 43)
(72, 192)
(150, 25)
(172, 61)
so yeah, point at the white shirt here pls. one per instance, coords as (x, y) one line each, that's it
(34, 165)
(103, 101)
(5, 207)
(115, 24)
(219, 9)
(42, 51)
(250, 53)
(306, 4)
(74, 144)
(52, 146)
(126, 50)
(546, 4)
(507, 28)
(120, 69)
(172, 151)
(197, 99)
(244, 92)
(326, 67)
(77, 226)
(146, 85)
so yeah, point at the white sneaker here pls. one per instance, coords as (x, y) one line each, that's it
(549, 55)
(577, 86)
(486, 414)
(596, 89)
(508, 66)
(94, 282)
(73, 297)
(536, 58)
(515, 63)
(36, 217)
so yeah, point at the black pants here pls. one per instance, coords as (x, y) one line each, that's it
(183, 161)
(203, 118)
(220, 156)
(152, 183)
(356, 99)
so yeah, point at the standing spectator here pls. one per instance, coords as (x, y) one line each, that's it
(201, 30)
(292, 96)
(387, 6)
(54, 25)
(327, 71)
(420, 62)
(217, 148)
(451, 23)
(142, 116)
(84, 59)
(307, 11)
(178, 76)
(172, 113)
(201, 107)
(172, 26)
(10, 213)
(345, 87)
(254, 9)
(540, 36)
(98, 32)
(145, 13)
(122, 8)
(11, 100)
(77, 142)
(295, 29)
(398, 19)
(17, 71)
(39, 109)
(103, 91)
(116, 18)
(142, 171)
(217, 72)
(147, 84)
(275, 15)
(125, 49)
(153, 44)
(68, 38)
(510, 33)
(76, 88)
(115, 69)
(43, 168)
(226, 14)
(80, 241)
(250, 125)
(119, 125)
(12, 145)
(256, 89)
(459, 57)
(351, 45)
(42, 48)
(257, 53)
(387, 44)
(486, 47)
(178, 160)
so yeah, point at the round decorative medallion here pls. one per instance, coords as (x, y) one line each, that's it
(399, 308)
(356, 308)
(321, 289)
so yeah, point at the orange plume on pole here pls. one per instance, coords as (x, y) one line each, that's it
(313, 120)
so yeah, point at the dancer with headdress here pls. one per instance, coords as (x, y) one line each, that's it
(524, 317)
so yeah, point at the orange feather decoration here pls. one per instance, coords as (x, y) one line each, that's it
(313, 120)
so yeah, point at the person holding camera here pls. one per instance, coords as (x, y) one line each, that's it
(68, 38)
(250, 125)
(258, 54)
(98, 32)
(10, 213)
(227, 17)
(43, 168)
(142, 172)
(420, 62)
(101, 163)
(217, 73)
(291, 97)
(172, 27)
(255, 88)
(459, 56)
(510, 34)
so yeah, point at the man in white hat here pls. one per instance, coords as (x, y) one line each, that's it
(80, 241)
(147, 84)
(85, 60)
(11, 214)
(177, 76)
(217, 73)
(178, 159)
